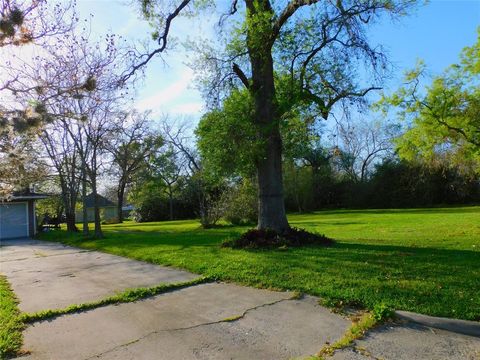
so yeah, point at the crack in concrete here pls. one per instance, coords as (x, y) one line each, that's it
(232, 319)
(19, 259)
(45, 256)
(226, 320)
(101, 265)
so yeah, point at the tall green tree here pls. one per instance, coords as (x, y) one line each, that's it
(444, 118)
(320, 44)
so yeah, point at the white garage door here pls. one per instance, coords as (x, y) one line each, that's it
(13, 221)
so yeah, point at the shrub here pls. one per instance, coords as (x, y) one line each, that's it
(240, 204)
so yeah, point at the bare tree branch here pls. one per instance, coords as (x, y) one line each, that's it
(162, 41)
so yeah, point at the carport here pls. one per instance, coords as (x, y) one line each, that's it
(17, 216)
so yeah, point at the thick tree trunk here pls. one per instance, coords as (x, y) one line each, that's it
(120, 212)
(271, 205)
(70, 220)
(69, 200)
(98, 227)
(120, 195)
(170, 198)
(84, 198)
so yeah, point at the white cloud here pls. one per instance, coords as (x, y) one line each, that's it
(193, 108)
(168, 94)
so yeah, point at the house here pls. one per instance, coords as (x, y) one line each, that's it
(108, 209)
(17, 215)
(127, 210)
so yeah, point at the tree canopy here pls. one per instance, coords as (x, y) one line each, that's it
(288, 56)
(445, 117)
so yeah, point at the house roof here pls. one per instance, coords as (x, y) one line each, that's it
(102, 201)
(27, 195)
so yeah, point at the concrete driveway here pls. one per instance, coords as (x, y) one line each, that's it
(207, 321)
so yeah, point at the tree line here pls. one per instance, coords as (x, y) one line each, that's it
(262, 148)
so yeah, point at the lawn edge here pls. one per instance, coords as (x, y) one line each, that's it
(126, 296)
(11, 336)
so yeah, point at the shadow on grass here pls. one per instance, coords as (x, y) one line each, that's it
(431, 280)
(442, 210)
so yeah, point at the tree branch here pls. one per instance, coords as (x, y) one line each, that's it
(241, 75)
(289, 10)
(162, 41)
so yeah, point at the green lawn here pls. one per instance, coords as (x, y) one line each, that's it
(422, 260)
(11, 325)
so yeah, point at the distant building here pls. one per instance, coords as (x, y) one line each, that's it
(127, 210)
(108, 209)
(17, 215)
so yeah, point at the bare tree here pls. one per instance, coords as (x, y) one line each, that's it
(177, 134)
(361, 143)
(33, 21)
(64, 158)
(20, 166)
(167, 167)
(131, 146)
(76, 88)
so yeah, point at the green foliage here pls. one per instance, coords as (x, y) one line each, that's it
(240, 203)
(382, 312)
(11, 21)
(445, 119)
(358, 329)
(11, 325)
(151, 203)
(227, 139)
(300, 188)
(51, 206)
(421, 260)
(403, 184)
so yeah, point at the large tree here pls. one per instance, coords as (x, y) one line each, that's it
(444, 117)
(318, 44)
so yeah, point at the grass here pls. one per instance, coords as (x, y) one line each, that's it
(11, 325)
(421, 260)
(123, 297)
(357, 330)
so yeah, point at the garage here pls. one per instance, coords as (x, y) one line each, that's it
(17, 215)
(14, 220)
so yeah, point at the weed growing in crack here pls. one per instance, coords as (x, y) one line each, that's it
(126, 296)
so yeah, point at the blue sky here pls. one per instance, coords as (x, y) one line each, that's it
(435, 33)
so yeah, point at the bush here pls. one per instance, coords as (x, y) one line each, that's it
(294, 237)
(240, 204)
(211, 211)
